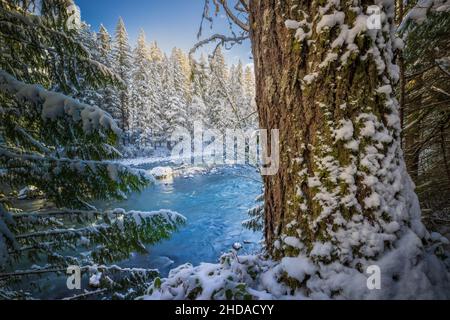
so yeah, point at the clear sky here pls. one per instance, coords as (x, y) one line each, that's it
(170, 22)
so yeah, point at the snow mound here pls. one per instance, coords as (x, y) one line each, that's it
(407, 272)
(162, 172)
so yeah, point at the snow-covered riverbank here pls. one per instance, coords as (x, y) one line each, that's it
(214, 201)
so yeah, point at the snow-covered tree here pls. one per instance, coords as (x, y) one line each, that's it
(105, 44)
(347, 200)
(241, 102)
(172, 111)
(122, 66)
(178, 79)
(183, 73)
(249, 81)
(155, 52)
(200, 76)
(106, 96)
(250, 112)
(141, 104)
(218, 85)
(64, 149)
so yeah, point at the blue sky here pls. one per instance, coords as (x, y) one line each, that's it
(170, 22)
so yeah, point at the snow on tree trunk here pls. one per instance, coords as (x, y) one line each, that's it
(342, 199)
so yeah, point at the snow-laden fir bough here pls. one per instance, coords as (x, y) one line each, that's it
(64, 149)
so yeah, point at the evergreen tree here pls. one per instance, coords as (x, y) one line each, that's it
(249, 82)
(155, 52)
(105, 45)
(122, 66)
(238, 104)
(140, 105)
(173, 106)
(108, 94)
(185, 66)
(215, 103)
(63, 148)
(250, 112)
(201, 78)
(181, 90)
(179, 78)
(156, 98)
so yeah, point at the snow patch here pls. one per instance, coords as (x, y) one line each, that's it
(162, 172)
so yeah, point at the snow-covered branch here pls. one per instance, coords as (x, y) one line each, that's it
(55, 105)
(421, 11)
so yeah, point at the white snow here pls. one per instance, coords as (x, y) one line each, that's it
(346, 130)
(314, 182)
(94, 280)
(56, 105)
(321, 249)
(331, 56)
(237, 246)
(169, 216)
(369, 129)
(293, 242)
(386, 89)
(372, 201)
(330, 20)
(298, 268)
(113, 172)
(308, 79)
(292, 24)
(162, 172)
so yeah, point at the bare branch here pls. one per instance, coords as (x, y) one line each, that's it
(222, 39)
(244, 6)
(235, 19)
(218, 37)
(205, 16)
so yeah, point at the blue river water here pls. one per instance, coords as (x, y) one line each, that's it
(215, 204)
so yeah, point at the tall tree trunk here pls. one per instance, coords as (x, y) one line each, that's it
(324, 80)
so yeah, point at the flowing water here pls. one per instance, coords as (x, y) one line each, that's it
(215, 204)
